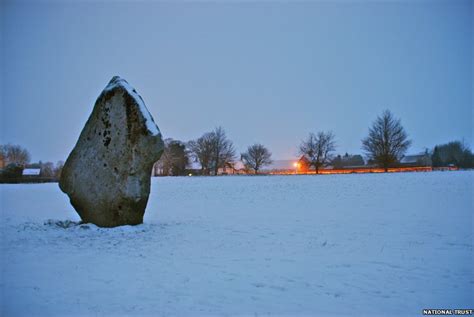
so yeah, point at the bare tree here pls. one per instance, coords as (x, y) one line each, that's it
(202, 151)
(14, 154)
(47, 169)
(387, 141)
(256, 156)
(165, 162)
(213, 151)
(317, 148)
(2, 157)
(223, 149)
(58, 169)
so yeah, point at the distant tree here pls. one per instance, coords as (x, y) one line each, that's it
(213, 150)
(47, 169)
(164, 163)
(436, 158)
(174, 159)
(14, 154)
(223, 149)
(179, 157)
(317, 148)
(202, 151)
(3, 152)
(58, 169)
(256, 156)
(467, 159)
(387, 141)
(12, 170)
(455, 152)
(2, 157)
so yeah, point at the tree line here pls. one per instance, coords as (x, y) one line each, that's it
(384, 146)
(213, 151)
(453, 153)
(14, 159)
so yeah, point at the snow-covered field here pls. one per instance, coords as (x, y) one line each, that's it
(372, 244)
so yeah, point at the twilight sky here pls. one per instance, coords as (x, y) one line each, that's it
(268, 72)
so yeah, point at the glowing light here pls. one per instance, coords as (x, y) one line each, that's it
(190, 174)
(295, 164)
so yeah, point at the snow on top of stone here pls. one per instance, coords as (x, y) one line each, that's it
(120, 82)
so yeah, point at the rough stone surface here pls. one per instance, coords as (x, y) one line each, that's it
(107, 175)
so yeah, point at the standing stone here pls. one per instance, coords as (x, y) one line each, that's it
(107, 175)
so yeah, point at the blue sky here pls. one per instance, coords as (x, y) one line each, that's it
(268, 72)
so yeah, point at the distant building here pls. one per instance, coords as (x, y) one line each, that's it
(2, 162)
(348, 161)
(303, 165)
(423, 159)
(234, 168)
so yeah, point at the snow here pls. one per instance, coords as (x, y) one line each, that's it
(150, 123)
(332, 245)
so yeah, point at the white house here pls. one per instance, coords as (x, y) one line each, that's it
(31, 172)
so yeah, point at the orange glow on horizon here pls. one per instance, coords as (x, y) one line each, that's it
(362, 170)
